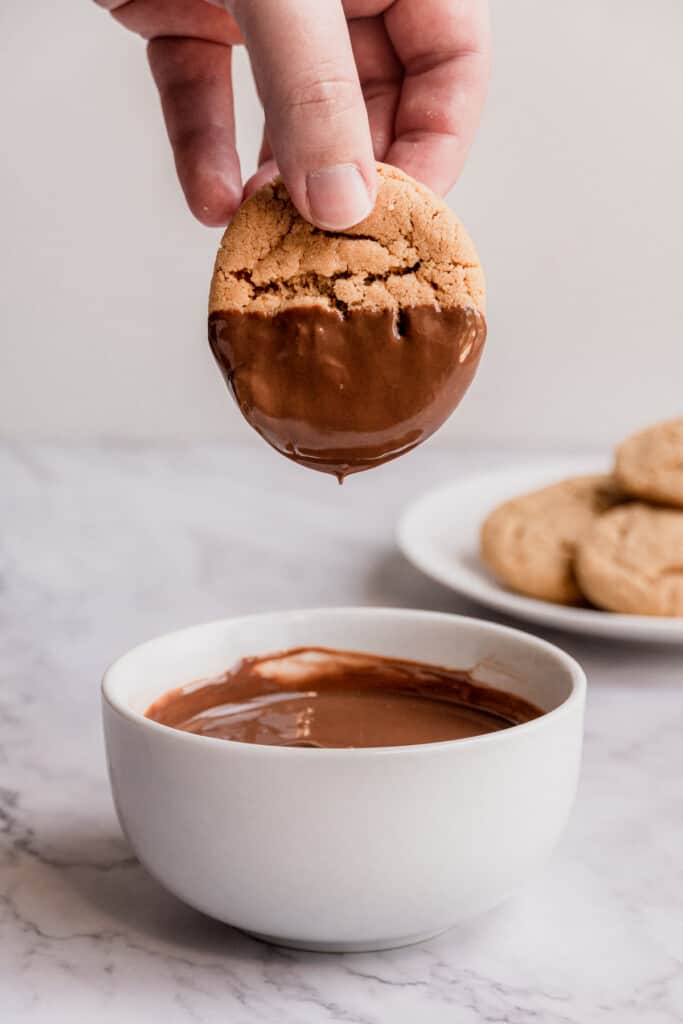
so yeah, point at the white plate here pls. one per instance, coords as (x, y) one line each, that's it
(439, 533)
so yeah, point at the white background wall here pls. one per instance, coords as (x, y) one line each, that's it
(572, 193)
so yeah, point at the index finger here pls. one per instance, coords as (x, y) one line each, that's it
(316, 118)
(444, 46)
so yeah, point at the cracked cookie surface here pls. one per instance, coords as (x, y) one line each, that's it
(529, 542)
(649, 464)
(631, 561)
(410, 251)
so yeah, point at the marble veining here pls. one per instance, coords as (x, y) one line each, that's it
(104, 546)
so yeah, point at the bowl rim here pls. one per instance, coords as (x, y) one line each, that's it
(574, 670)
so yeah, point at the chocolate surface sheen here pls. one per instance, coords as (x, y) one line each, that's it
(314, 697)
(341, 393)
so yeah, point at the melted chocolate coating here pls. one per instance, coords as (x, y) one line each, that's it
(342, 393)
(314, 697)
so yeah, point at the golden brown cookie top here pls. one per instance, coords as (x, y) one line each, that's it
(411, 251)
(529, 542)
(631, 560)
(650, 463)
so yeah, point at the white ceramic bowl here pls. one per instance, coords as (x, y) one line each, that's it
(345, 849)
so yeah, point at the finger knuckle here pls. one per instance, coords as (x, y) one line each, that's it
(325, 92)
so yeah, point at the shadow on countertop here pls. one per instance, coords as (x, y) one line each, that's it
(111, 901)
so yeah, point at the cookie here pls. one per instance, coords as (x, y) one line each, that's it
(347, 349)
(649, 465)
(631, 560)
(530, 541)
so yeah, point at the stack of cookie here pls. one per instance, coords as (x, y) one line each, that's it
(614, 541)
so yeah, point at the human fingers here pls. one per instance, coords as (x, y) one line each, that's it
(380, 74)
(444, 46)
(316, 118)
(195, 87)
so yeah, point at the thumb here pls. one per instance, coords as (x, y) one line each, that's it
(316, 118)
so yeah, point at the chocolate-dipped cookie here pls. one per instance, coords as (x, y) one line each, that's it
(344, 350)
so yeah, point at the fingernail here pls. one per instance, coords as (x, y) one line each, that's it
(338, 197)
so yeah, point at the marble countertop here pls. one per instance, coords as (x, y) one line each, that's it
(102, 547)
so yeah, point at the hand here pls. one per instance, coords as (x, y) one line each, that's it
(343, 83)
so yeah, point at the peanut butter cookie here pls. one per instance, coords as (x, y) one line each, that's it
(631, 560)
(347, 349)
(530, 541)
(649, 465)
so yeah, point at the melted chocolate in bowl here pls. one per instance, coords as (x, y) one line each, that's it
(314, 697)
(344, 392)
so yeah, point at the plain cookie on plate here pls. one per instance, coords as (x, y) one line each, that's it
(347, 349)
(649, 465)
(632, 561)
(530, 541)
